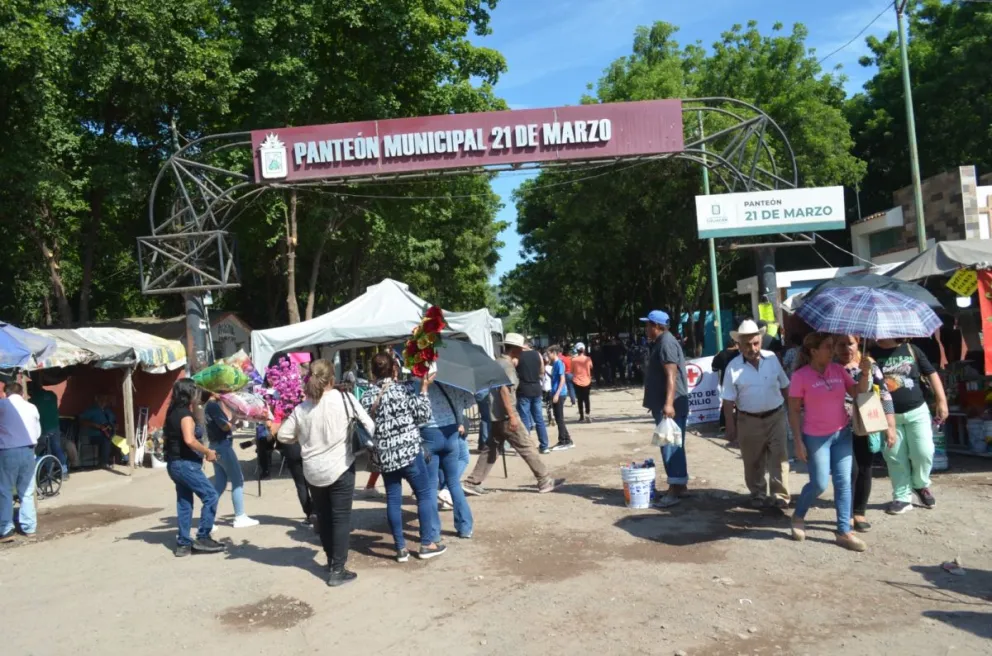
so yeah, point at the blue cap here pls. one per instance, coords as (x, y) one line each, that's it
(656, 316)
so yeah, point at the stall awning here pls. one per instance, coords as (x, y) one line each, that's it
(109, 348)
(945, 258)
(20, 349)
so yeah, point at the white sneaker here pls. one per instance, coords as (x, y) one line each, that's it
(244, 521)
(444, 499)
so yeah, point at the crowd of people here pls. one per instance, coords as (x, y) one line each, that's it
(806, 396)
(812, 392)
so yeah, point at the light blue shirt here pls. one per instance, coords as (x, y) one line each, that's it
(441, 414)
(20, 425)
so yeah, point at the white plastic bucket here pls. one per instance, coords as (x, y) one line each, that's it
(637, 486)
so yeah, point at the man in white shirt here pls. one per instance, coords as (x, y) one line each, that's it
(756, 386)
(20, 428)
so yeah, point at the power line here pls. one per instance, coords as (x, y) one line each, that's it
(857, 257)
(858, 35)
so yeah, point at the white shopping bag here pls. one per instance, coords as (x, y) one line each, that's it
(667, 433)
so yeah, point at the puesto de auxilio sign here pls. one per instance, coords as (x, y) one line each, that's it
(582, 132)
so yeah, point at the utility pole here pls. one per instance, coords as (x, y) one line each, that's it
(714, 282)
(914, 157)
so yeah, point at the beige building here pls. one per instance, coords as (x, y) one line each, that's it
(955, 206)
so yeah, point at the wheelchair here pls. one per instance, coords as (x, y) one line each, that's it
(47, 471)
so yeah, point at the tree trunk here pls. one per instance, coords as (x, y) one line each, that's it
(292, 303)
(46, 305)
(315, 273)
(89, 251)
(51, 259)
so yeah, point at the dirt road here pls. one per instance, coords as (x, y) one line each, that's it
(573, 572)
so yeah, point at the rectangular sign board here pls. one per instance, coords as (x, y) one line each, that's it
(770, 212)
(404, 145)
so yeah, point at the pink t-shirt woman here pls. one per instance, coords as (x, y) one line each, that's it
(823, 398)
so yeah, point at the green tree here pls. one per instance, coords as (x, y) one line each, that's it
(949, 50)
(603, 249)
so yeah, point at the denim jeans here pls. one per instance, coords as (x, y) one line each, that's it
(484, 421)
(570, 381)
(53, 440)
(463, 459)
(228, 468)
(417, 476)
(17, 473)
(531, 411)
(676, 467)
(190, 479)
(444, 446)
(829, 458)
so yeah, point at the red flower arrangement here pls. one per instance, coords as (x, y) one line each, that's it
(421, 349)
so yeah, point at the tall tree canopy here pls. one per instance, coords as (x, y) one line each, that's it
(602, 250)
(950, 48)
(90, 91)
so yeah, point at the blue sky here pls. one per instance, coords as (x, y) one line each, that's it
(554, 48)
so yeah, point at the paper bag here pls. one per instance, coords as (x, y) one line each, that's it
(868, 414)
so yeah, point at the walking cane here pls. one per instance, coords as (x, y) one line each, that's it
(502, 450)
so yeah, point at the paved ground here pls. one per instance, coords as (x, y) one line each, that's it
(569, 573)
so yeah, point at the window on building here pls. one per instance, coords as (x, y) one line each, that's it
(885, 241)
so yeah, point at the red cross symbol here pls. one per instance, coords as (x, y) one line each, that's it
(694, 374)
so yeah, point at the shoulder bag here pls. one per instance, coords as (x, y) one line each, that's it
(361, 440)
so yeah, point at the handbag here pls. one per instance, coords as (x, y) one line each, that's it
(868, 416)
(361, 440)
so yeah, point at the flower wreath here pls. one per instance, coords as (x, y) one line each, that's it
(421, 349)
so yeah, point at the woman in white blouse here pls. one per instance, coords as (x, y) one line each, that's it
(320, 424)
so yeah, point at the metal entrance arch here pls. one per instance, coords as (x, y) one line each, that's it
(209, 183)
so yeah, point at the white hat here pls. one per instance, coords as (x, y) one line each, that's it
(580, 347)
(747, 327)
(513, 339)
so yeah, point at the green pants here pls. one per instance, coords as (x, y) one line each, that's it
(911, 459)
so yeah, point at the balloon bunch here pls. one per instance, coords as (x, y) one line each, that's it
(421, 349)
(285, 390)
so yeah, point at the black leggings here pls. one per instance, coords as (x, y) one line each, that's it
(582, 397)
(294, 461)
(333, 507)
(861, 474)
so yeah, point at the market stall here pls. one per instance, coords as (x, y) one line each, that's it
(134, 368)
(385, 314)
(958, 273)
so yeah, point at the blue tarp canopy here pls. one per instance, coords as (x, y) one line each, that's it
(20, 349)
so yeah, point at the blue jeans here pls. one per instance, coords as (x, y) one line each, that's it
(463, 459)
(228, 468)
(17, 473)
(53, 440)
(676, 467)
(190, 479)
(829, 457)
(483, 421)
(531, 410)
(444, 444)
(570, 381)
(419, 479)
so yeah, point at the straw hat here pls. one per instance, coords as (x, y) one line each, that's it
(747, 328)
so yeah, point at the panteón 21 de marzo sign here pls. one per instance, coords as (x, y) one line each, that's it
(449, 141)
(770, 212)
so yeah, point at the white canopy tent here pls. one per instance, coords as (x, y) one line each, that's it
(386, 313)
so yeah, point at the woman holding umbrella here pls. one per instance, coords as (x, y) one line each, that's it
(910, 459)
(817, 413)
(848, 355)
